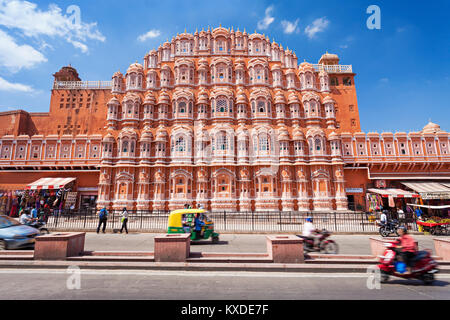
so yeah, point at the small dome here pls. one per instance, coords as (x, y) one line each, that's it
(306, 66)
(108, 138)
(293, 98)
(329, 58)
(431, 128)
(117, 74)
(283, 135)
(298, 134)
(149, 99)
(241, 98)
(136, 67)
(163, 98)
(113, 100)
(279, 98)
(328, 99)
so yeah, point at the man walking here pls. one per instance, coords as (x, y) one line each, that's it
(124, 220)
(103, 217)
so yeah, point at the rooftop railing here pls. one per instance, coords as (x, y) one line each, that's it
(65, 85)
(335, 68)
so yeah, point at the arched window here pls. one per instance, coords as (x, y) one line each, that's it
(221, 105)
(180, 145)
(261, 106)
(182, 107)
(263, 143)
(222, 141)
(318, 144)
(125, 146)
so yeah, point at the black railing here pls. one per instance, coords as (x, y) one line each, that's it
(268, 221)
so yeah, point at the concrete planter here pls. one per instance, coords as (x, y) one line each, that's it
(59, 246)
(442, 247)
(285, 249)
(172, 247)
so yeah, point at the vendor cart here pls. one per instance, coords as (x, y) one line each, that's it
(434, 228)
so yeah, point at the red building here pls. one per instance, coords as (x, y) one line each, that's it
(224, 119)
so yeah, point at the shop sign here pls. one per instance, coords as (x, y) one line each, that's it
(380, 183)
(354, 190)
(71, 199)
(435, 195)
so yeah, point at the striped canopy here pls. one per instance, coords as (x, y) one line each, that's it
(49, 183)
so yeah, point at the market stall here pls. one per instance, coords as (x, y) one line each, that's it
(435, 197)
(435, 225)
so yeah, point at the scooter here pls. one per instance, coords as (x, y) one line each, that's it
(325, 245)
(386, 229)
(424, 266)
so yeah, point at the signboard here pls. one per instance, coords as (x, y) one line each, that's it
(435, 195)
(354, 190)
(380, 183)
(71, 199)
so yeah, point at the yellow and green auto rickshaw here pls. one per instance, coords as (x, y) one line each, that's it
(183, 221)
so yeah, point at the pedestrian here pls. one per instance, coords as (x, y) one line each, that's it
(103, 217)
(198, 224)
(34, 212)
(124, 220)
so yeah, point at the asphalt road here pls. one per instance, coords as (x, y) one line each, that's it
(249, 243)
(180, 285)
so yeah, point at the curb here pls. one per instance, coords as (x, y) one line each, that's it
(192, 266)
(224, 232)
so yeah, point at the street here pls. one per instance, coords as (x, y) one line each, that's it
(181, 285)
(248, 243)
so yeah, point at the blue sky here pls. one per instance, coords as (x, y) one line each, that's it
(403, 69)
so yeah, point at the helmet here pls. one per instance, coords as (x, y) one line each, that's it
(403, 228)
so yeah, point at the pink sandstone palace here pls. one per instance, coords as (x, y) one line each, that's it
(221, 118)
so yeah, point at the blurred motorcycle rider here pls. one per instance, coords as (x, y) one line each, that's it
(309, 231)
(407, 246)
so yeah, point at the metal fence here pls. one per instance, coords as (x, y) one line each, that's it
(270, 222)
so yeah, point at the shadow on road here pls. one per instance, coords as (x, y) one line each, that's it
(417, 283)
(208, 242)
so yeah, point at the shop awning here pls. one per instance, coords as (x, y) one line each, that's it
(429, 190)
(396, 193)
(50, 183)
(429, 207)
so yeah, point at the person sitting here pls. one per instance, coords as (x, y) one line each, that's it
(309, 232)
(407, 247)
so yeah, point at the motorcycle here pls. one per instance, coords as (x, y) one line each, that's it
(40, 225)
(386, 229)
(424, 266)
(325, 245)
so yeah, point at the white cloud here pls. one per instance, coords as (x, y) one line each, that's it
(79, 45)
(289, 27)
(318, 25)
(267, 20)
(149, 35)
(9, 86)
(384, 80)
(343, 46)
(15, 57)
(33, 22)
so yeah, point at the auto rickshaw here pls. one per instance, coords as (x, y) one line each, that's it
(183, 221)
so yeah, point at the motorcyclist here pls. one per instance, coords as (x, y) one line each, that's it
(407, 246)
(26, 218)
(383, 218)
(310, 232)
